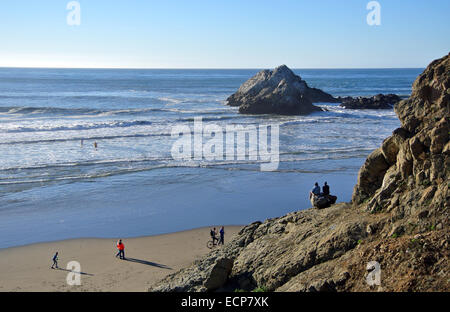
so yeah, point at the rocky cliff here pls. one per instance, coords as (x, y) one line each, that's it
(398, 217)
(277, 92)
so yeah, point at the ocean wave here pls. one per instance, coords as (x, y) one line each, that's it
(94, 175)
(340, 112)
(80, 177)
(321, 151)
(285, 156)
(24, 110)
(87, 138)
(217, 165)
(113, 124)
(101, 125)
(88, 163)
(86, 112)
(207, 119)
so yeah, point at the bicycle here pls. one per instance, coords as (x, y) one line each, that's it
(210, 244)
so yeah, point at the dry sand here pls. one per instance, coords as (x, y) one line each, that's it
(150, 259)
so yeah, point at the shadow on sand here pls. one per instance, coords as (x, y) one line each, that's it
(161, 266)
(81, 273)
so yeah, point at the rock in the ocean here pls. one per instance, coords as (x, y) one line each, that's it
(277, 92)
(379, 101)
(319, 96)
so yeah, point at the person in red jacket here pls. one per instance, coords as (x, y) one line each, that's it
(121, 248)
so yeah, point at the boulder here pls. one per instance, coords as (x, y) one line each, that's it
(321, 202)
(379, 101)
(370, 176)
(439, 136)
(319, 96)
(390, 149)
(219, 274)
(277, 91)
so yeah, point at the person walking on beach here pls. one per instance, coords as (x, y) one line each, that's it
(213, 234)
(118, 250)
(55, 261)
(222, 235)
(121, 250)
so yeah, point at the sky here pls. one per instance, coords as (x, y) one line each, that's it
(223, 34)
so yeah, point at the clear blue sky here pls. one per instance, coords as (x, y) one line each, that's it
(223, 34)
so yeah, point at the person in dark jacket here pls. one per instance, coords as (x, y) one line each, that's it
(222, 235)
(55, 261)
(326, 189)
(213, 234)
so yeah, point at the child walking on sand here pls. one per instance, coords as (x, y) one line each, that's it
(55, 261)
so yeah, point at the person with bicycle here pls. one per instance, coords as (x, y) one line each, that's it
(213, 234)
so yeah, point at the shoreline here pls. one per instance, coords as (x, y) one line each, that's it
(154, 210)
(122, 237)
(149, 259)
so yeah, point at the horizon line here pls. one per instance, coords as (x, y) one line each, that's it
(197, 68)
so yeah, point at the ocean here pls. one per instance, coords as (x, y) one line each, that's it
(54, 184)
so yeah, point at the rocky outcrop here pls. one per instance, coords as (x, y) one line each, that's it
(379, 101)
(408, 263)
(269, 254)
(398, 217)
(219, 274)
(322, 201)
(415, 157)
(318, 96)
(212, 271)
(277, 92)
(320, 250)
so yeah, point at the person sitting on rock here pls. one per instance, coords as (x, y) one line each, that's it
(326, 189)
(315, 190)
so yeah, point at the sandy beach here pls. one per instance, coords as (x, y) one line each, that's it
(149, 259)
